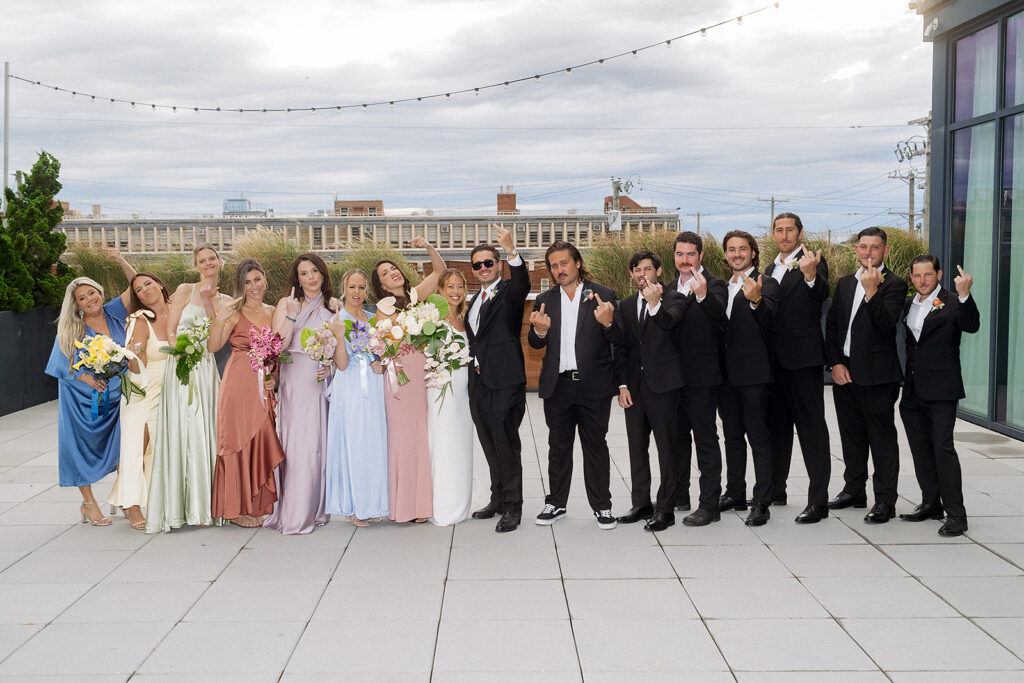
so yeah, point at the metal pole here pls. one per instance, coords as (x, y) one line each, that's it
(7, 129)
(912, 180)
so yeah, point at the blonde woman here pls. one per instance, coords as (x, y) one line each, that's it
(88, 429)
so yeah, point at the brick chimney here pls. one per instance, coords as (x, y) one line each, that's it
(507, 201)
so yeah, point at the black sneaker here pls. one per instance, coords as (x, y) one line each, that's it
(605, 519)
(549, 515)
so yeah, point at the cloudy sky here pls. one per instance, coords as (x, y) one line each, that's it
(805, 102)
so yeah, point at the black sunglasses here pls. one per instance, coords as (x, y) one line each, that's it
(486, 263)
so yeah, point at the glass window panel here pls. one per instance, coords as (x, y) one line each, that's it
(1015, 60)
(975, 87)
(1010, 333)
(971, 231)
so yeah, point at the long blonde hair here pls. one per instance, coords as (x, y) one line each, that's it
(71, 325)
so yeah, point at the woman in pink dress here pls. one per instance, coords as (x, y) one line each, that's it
(409, 485)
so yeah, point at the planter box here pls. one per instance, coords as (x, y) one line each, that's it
(27, 340)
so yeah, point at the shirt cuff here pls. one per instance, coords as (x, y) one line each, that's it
(700, 299)
(810, 283)
(622, 386)
(654, 311)
(517, 260)
(964, 298)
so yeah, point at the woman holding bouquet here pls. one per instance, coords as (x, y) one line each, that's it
(248, 449)
(406, 405)
(357, 455)
(88, 435)
(147, 329)
(303, 404)
(449, 423)
(186, 451)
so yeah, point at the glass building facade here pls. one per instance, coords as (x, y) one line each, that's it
(977, 191)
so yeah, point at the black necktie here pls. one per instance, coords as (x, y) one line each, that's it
(643, 313)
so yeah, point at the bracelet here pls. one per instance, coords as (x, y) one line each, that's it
(539, 335)
(288, 317)
(755, 303)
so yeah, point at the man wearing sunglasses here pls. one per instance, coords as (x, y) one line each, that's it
(497, 380)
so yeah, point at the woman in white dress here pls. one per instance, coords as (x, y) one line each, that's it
(449, 424)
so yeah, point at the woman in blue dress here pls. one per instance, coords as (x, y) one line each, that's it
(88, 437)
(357, 437)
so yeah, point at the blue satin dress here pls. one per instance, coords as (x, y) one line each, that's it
(88, 431)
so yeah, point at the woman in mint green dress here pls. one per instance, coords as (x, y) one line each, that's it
(186, 449)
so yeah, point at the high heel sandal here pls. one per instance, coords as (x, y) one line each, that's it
(102, 521)
(138, 526)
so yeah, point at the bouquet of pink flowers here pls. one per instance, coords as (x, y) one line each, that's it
(387, 341)
(319, 344)
(266, 349)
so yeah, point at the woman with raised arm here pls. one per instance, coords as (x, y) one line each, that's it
(406, 405)
(357, 450)
(302, 410)
(147, 335)
(248, 450)
(88, 434)
(186, 450)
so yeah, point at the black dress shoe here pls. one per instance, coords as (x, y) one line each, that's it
(780, 500)
(683, 506)
(660, 521)
(759, 516)
(812, 514)
(727, 502)
(953, 526)
(880, 513)
(702, 517)
(845, 500)
(922, 512)
(487, 511)
(636, 514)
(510, 520)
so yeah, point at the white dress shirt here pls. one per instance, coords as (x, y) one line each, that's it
(487, 293)
(735, 285)
(567, 336)
(920, 307)
(684, 288)
(858, 298)
(783, 266)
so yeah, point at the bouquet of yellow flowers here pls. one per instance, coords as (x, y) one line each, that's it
(105, 358)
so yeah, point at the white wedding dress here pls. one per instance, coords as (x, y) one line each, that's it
(450, 430)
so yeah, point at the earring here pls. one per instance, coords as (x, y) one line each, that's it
(80, 313)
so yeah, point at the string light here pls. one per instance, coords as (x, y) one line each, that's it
(391, 102)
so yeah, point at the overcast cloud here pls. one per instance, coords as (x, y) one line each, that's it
(707, 125)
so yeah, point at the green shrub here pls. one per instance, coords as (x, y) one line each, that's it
(608, 259)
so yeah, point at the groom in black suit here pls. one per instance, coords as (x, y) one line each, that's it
(935, 319)
(497, 380)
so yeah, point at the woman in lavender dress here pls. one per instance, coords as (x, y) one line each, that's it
(302, 402)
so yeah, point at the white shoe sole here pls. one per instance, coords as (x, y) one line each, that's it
(607, 526)
(549, 522)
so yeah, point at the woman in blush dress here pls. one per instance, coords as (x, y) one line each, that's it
(302, 411)
(449, 422)
(88, 434)
(248, 449)
(406, 405)
(146, 333)
(186, 450)
(357, 452)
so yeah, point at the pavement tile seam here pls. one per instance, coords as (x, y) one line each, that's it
(974, 620)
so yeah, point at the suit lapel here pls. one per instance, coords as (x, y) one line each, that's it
(586, 307)
(487, 309)
(934, 317)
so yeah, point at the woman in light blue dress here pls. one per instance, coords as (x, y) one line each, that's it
(357, 437)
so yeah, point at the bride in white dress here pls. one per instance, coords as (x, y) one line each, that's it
(449, 424)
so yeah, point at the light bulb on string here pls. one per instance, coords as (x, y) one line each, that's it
(634, 54)
(391, 103)
(668, 43)
(506, 85)
(600, 62)
(536, 77)
(476, 91)
(739, 20)
(568, 69)
(703, 33)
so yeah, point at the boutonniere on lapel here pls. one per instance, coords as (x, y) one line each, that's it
(794, 265)
(588, 294)
(937, 305)
(485, 297)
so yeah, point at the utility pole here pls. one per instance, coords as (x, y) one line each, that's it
(698, 215)
(911, 180)
(906, 151)
(7, 132)
(771, 217)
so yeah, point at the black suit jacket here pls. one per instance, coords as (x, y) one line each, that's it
(593, 343)
(873, 358)
(747, 336)
(796, 331)
(649, 352)
(698, 338)
(496, 346)
(933, 361)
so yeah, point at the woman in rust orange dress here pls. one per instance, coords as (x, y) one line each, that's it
(248, 449)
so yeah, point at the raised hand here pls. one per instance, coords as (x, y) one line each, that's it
(223, 306)
(869, 280)
(752, 288)
(338, 328)
(419, 242)
(963, 283)
(291, 305)
(541, 321)
(208, 294)
(505, 239)
(809, 261)
(652, 294)
(605, 311)
(699, 285)
(114, 253)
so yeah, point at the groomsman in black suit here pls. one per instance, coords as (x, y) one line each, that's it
(798, 356)
(743, 406)
(575, 321)
(935, 319)
(650, 376)
(698, 340)
(860, 342)
(497, 380)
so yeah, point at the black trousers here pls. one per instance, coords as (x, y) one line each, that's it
(744, 412)
(653, 413)
(567, 409)
(497, 414)
(798, 398)
(696, 416)
(866, 417)
(929, 426)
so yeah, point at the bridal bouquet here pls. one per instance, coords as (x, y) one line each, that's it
(188, 349)
(319, 344)
(445, 356)
(104, 358)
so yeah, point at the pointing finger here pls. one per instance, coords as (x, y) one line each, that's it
(961, 269)
(598, 297)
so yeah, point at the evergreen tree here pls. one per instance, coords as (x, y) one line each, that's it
(31, 273)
